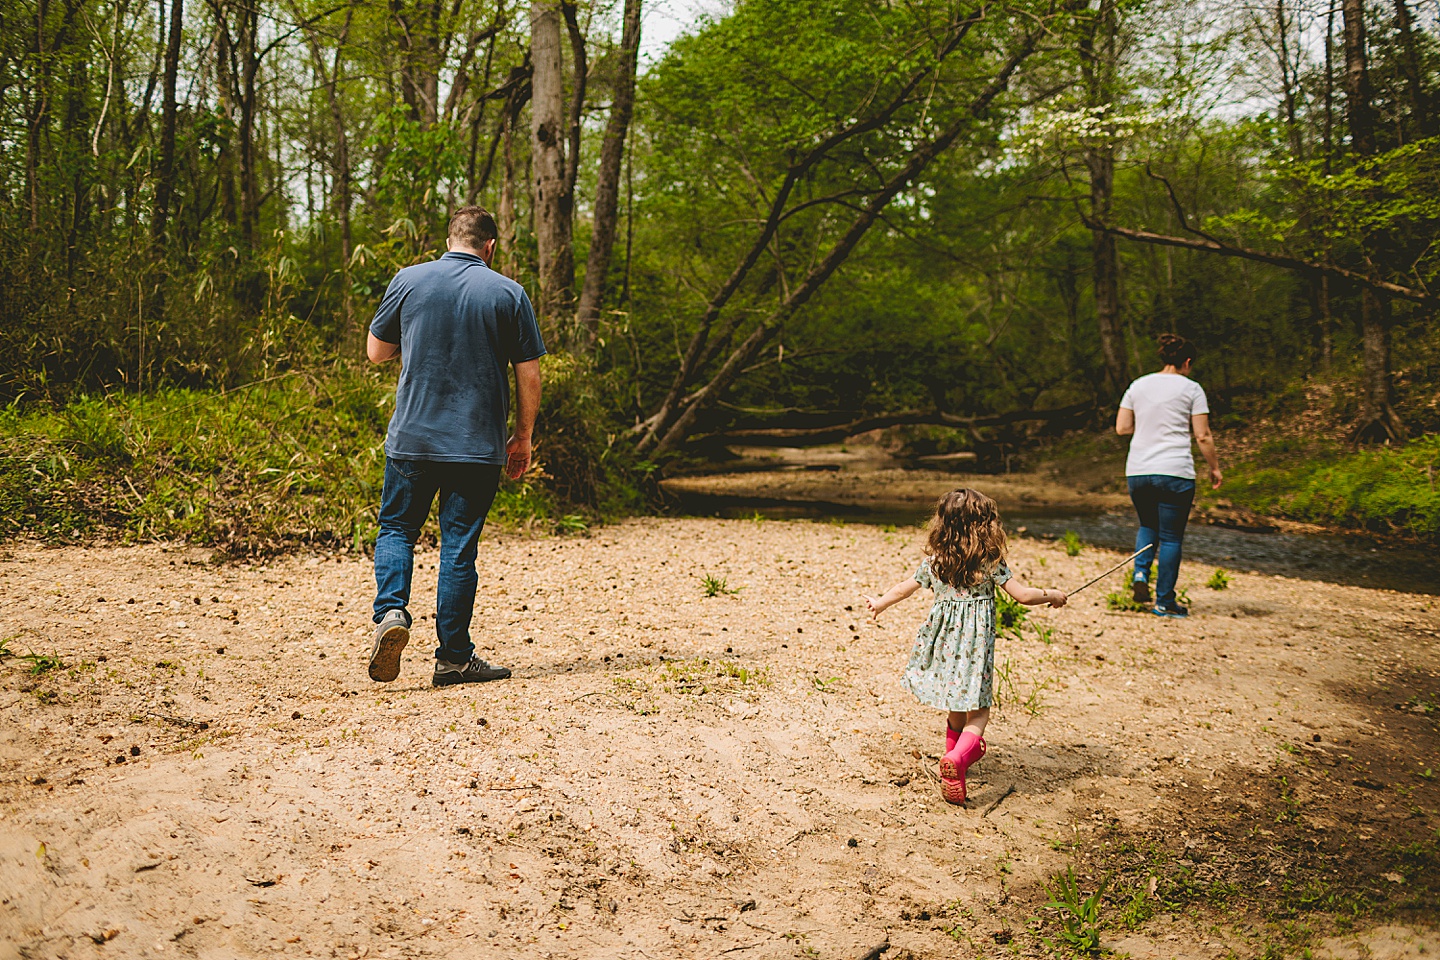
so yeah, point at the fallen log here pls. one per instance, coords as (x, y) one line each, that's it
(835, 433)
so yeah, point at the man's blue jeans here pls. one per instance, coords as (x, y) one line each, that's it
(466, 491)
(1163, 505)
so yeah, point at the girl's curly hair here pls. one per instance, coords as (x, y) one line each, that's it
(966, 540)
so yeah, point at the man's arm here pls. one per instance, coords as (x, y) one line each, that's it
(1200, 424)
(380, 350)
(527, 407)
(1125, 422)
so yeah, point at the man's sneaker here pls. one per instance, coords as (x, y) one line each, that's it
(391, 635)
(1174, 611)
(476, 671)
(1141, 588)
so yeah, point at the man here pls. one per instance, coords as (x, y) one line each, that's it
(456, 325)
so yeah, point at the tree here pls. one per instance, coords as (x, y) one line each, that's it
(1099, 54)
(1378, 419)
(555, 174)
(607, 186)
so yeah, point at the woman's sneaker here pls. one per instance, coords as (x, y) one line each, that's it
(476, 671)
(391, 635)
(1174, 611)
(1141, 588)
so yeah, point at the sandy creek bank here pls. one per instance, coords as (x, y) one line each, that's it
(676, 775)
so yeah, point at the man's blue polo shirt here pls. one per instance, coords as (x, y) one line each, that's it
(459, 325)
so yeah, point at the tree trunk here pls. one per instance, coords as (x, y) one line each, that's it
(249, 71)
(552, 203)
(1378, 419)
(1414, 79)
(607, 188)
(165, 174)
(505, 216)
(1359, 111)
(1097, 56)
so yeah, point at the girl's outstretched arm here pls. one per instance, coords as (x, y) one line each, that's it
(892, 596)
(1030, 596)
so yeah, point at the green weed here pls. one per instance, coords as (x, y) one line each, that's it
(1010, 614)
(1072, 543)
(5, 650)
(1079, 919)
(1219, 580)
(1122, 600)
(41, 663)
(716, 586)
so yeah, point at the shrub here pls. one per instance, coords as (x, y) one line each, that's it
(1387, 490)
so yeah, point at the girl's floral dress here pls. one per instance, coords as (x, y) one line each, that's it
(953, 663)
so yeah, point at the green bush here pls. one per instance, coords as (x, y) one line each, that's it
(1384, 490)
(296, 459)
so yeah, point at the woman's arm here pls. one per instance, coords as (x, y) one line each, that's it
(1031, 595)
(1125, 422)
(892, 596)
(1200, 425)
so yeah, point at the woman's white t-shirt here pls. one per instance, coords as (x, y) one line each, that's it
(1163, 404)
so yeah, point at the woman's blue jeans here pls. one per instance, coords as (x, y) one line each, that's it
(466, 491)
(1163, 505)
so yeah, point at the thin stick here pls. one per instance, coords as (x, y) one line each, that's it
(1108, 572)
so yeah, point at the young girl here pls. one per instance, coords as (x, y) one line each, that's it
(953, 662)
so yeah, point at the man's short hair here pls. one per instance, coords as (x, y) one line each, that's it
(473, 226)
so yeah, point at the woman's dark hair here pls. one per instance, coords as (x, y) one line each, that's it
(1175, 349)
(966, 540)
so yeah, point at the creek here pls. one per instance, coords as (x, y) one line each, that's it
(891, 493)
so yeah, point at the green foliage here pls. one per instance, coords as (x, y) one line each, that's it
(582, 445)
(1386, 490)
(1079, 919)
(1125, 601)
(42, 663)
(1072, 543)
(1219, 580)
(1010, 614)
(299, 459)
(716, 586)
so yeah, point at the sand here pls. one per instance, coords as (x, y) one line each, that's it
(670, 774)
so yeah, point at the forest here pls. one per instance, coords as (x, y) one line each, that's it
(968, 220)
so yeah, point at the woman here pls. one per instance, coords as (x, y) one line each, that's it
(1160, 411)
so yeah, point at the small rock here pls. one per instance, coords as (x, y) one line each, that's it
(852, 843)
(295, 715)
(134, 751)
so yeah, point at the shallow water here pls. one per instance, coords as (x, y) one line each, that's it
(1333, 558)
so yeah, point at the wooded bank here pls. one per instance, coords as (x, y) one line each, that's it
(949, 213)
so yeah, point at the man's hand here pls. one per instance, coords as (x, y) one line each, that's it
(517, 456)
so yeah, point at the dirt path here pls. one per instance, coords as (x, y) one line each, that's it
(675, 775)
